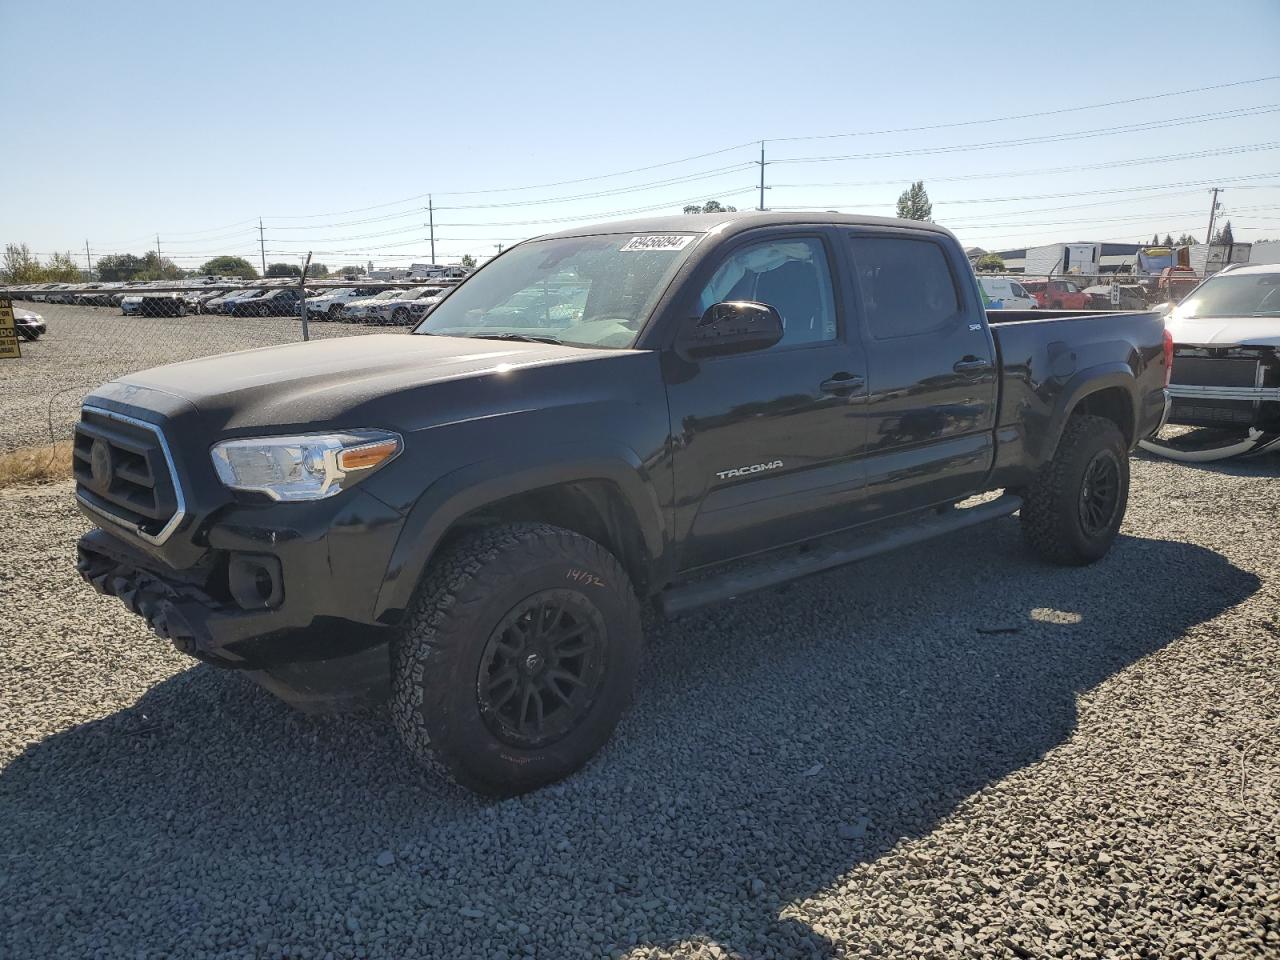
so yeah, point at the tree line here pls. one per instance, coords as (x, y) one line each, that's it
(21, 266)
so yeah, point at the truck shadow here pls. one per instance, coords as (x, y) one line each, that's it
(1262, 465)
(777, 743)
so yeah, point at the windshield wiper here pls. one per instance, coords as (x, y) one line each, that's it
(522, 337)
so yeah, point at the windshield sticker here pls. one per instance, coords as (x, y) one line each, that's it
(657, 241)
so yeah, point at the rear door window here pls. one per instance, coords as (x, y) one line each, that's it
(906, 286)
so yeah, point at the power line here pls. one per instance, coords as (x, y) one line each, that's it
(531, 186)
(723, 150)
(416, 211)
(739, 146)
(1104, 165)
(520, 223)
(1026, 116)
(1047, 138)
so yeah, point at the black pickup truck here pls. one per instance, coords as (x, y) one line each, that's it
(668, 411)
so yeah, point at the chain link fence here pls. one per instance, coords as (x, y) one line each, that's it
(88, 334)
(96, 332)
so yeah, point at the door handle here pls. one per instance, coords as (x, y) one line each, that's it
(972, 365)
(842, 384)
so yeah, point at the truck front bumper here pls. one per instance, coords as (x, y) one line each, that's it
(287, 595)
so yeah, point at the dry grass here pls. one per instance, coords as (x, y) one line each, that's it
(41, 464)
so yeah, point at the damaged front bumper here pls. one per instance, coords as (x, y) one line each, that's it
(283, 612)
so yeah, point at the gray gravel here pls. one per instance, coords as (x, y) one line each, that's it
(86, 346)
(953, 751)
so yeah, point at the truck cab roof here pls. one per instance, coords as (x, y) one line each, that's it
(727, 224)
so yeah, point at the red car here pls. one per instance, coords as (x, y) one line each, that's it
(1057, 294)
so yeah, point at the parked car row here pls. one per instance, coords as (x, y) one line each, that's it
(373, 302)
(1048, 293)
(398, 307)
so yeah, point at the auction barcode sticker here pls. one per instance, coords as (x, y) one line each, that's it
(658, 241)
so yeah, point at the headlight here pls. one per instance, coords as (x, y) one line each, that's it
(309, 467)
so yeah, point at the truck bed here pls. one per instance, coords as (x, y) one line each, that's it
(1048, 356)
(995, 317)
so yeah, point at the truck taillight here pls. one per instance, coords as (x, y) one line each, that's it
(1168, 357)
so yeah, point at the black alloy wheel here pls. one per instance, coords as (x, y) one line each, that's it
(1100, 493)
(542, 668)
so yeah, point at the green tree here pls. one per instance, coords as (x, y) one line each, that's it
(155, 267)
(284, 270)
(317, 271)
(228, 266)
(468, 262)
(711, 206)
(1224, 235)
(989, 262)
(1155, 240)
(62, 268)
(913, 204)
(350, 271)
(20, 266)
(1168, 239)
(1186, 240)
(117, 267)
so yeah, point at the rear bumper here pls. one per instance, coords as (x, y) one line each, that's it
(1196, 392)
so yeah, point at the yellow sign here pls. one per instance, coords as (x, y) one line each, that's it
(8, 331)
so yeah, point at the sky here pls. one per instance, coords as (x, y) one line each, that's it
(334, 122)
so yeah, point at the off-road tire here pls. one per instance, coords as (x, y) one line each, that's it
(1051, 514)
(466, 593)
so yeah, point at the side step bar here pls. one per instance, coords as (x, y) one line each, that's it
(725, 586)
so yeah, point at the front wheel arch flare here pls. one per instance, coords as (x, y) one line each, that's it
(464, 492)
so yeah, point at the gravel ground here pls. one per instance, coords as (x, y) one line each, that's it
(995, 759)
(86, 346)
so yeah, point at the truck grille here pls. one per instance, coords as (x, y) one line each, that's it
(122, 472)
(1210, 413)
(1215, 371)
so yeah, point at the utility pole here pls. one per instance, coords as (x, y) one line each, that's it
(1213, 213)
(262, 246)
(761, 207)
(88, 259)
(158, 261)
(430, 222)
(499, 248)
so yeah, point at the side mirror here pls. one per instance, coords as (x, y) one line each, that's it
(733, 326)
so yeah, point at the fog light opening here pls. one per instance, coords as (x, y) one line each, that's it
(255, 581)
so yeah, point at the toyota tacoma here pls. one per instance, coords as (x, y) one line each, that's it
(667, 412)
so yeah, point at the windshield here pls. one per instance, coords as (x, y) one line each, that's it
(1234, 295)
(583, 291)
(386, 295)
(340, 292)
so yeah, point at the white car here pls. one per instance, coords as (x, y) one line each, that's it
(1005, 294)
(1224, 391)
(404, 307)
(358, 309)
(328, 304)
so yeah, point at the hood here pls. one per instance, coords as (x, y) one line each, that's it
(334, 382)
(1225, 331)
